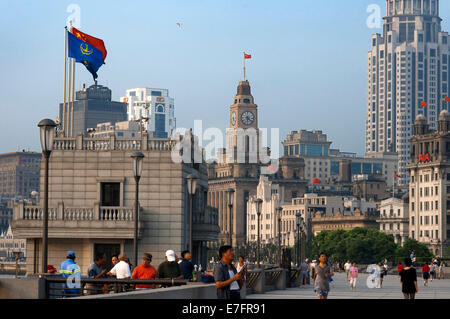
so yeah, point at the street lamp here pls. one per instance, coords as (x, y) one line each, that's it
(259, 202)
(192, 188)
(137, 171)
(47, 134)
(298, 237)
(279, 211)
(230, 200)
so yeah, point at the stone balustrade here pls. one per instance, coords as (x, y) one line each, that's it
(112, 143)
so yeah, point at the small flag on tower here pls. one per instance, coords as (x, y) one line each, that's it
(397, 176)
(95, 42)
(447, 99)
(247, 56)
(423, 104)
(315, 180)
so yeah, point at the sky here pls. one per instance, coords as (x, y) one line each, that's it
(308, 66)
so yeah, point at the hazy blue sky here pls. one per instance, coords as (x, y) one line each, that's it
(308, 69)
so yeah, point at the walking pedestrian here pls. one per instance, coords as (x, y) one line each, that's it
(408, 278)
(425, 274)
(353, 276)
(322, 275)
(432, 271)
(441, 270)
(241, 265)
(304, 271)
(228, 279)
(380, 270)
(347, 269)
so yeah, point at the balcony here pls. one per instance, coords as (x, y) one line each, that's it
(205, 224)
(74, 222)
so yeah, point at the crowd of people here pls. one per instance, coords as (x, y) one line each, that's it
(230, 277)
(172, 267)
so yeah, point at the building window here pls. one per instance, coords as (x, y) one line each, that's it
(110, 194)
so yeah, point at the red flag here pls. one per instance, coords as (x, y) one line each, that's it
(95, 42)
(397, 176)
(423, 104)
(447, 99)
(316, 180)
(247, 56)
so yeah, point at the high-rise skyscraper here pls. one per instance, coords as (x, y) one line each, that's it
(155, 107)
(407, 67)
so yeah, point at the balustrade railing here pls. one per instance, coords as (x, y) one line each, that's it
(116, 213)
(78, 213)
(35, 213)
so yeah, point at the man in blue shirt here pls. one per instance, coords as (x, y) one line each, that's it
(186, 266)
(70, 270)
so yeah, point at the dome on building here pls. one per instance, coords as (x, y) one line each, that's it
(243, 88)
(444, 116)
(420, 119)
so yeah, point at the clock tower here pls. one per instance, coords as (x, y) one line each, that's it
(244, 111)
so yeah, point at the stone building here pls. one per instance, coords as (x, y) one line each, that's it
(241, 164)
(394, 218)
(91, 202)
(341, 220)
(429, 187)
(9, 244)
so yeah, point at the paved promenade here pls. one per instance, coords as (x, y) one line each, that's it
(438, 289)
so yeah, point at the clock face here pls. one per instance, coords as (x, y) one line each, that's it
(247, 118)
(233, 118)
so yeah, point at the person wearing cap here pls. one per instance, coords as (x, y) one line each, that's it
(169, 269)
(144, 271)
(51, 269)
(69, 269)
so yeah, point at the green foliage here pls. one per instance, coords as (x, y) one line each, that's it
(420, 250)
(363, 245)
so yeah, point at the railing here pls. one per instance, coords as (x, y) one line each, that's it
(116, 213)
(252, 278)
(35, 213)
(113, 143)
(25, 212)
(78, 214)
(271, 276)
(58, 287)
(210, 215)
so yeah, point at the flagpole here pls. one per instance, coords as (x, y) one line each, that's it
(393, 186)
(68, 99)
(244, 66)
(73, 95)
(63, 120)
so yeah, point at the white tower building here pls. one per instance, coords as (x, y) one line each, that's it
(155, 107)
(407, 65)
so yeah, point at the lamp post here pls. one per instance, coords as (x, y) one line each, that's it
(47, 134)
(258, 212)
(279, 211)
(137, 171)
(298, 237)
(192, 188)
(230, 200)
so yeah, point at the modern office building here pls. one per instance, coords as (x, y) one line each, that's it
(154, 107)
(394, 218)
(326, 165)
(128, 129)
(93, 105)
(429, 185)
(19, 174)
(407, 67)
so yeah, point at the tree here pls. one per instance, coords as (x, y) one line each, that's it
(363, 245)
(421, 251)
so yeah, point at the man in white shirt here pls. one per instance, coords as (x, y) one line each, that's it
(347, 269)
(122, 269)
